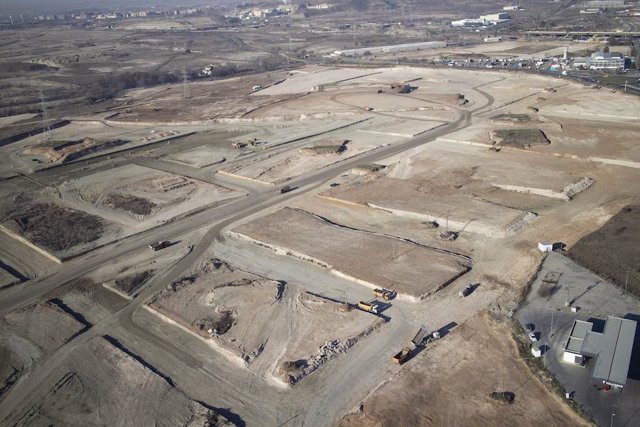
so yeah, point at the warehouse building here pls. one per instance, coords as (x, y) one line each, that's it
(611, 349)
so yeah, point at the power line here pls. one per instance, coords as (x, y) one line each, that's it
(186, 88)
(46, 126)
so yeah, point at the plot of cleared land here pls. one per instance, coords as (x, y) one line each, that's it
(199, 157)
(138, 197)
(578, 103)
(432, 201)
(376, 260)
(306, 80)
(441, 167)
(96, 386)
(266, 323)
(81, 140)
(276, 168)
(462, 397)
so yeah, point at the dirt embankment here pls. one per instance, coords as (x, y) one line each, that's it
(613, 251)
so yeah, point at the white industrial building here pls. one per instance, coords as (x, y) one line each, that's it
(606, 61)
(483, 21)
(601, 61)
(389, 49)
(611, 348)
(604, 3)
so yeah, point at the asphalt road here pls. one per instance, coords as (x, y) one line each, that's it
(316, 405)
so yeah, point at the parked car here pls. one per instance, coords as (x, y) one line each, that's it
(533, 337)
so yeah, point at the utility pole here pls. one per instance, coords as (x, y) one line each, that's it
(551, 334)
(186, 88)
(46, 126)
(626, 281)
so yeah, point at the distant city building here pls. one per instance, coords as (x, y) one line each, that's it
(601, 61)
(389, 49)
(606, 61)
(483, 21)
(604, 3)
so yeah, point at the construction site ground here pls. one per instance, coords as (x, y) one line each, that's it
(375, 260)
(449, 383)
(267, 325)
(440, 142)
(76, 392)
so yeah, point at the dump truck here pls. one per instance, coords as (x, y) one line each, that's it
(371, 307)
(384, 293)
(402, 356)
(418, 339)
(285, 189)
(159, 245)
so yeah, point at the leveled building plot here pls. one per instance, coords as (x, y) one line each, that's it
(275, 328)
(370, 259)
(432, 202)
(118, 387)
(472, 171)
(139, 197)
(81, 140)
(94, 210)
(280, 167)
(199, 157)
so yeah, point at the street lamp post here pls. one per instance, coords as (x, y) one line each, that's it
(612, 417)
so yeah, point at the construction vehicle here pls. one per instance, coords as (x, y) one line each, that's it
(159, 245)
(384, 293)
(371, 307)
(253, 141)
(368, 108)
(237, 145)
(418, 339)
(285, 189)
(466, 290)
(402, 356)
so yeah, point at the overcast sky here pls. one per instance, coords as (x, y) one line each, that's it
(50, 6)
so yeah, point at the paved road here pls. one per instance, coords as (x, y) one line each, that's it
(319, 406)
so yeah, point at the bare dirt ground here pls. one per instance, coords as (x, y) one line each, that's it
(438, 386)
(36, 330)
(275, 168)
(77, 393)
(165, 195)
(269, 325)
(433, 200)
(373, 260)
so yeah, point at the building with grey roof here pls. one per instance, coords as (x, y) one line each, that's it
(611, 349)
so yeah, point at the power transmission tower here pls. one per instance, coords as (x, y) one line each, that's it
(46, 126)
(186, 88)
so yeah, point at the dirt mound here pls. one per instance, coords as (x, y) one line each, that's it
(522, 138)
(127, 202)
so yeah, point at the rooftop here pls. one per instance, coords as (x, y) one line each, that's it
(612, 349)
